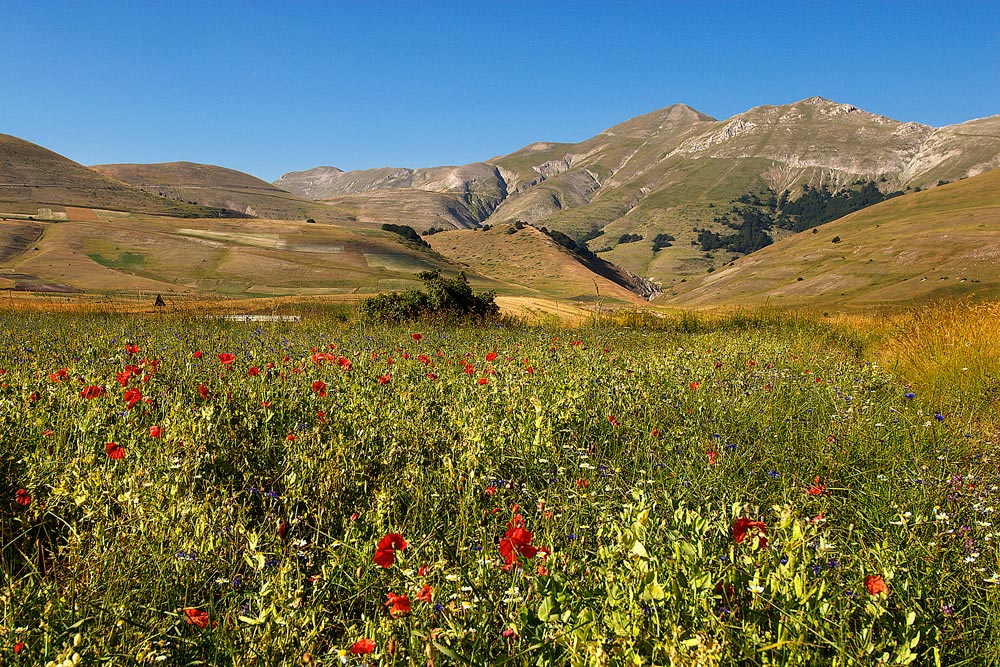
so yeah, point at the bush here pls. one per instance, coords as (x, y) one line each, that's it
(445, 297)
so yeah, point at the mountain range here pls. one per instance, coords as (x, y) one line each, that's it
(643, 195)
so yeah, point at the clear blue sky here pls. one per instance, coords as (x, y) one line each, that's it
(273, 87)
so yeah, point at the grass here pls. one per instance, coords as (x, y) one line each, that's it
(566, 496)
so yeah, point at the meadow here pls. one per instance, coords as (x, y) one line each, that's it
(686, 490)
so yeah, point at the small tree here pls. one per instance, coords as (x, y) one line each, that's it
(445, 297)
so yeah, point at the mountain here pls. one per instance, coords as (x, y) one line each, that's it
(938, 243)
(32, 177)
(673, 172)
(218, 187)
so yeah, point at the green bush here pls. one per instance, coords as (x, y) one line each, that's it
(447, 297)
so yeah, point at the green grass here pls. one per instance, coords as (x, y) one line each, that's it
(126, 260)
(627, 452)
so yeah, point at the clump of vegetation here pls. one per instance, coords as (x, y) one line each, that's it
(662, 241)
(629, 238)
(407, 232)
(450, 298)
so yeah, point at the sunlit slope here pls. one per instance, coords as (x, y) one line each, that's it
(238, 257)
(32, 177)
(219, 187)
(939, 243)
(530, 259)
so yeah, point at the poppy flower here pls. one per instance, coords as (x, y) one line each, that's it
(320, 388)
(114, 451)
(517, 541)
(385, 379)
(491, 356)
(398, 604)
(253, 371)
(203, 390)
(426, 594)
(745, 526)
(432, 376)
(34, 396)
(155, 431)
(712, 455)
(21, 497)
(92, 392)
(226, 358)
(131, 397)
(344, 363)
(582, 483)
(875, 584)
(417, 337)
(423, 570)
(59, 375)
(817, 489)
(198, 354)
(482, 381)
(198, 618)
(363, 646)
(131, 349)
(385, 551)
(18, 647)
(695, 386)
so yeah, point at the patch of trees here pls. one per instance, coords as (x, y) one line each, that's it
(447, 298)
(407, 232)
(754, 215)
(629, 238)
(577, 248)
(662, 241)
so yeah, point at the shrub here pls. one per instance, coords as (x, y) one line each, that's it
(447, 297)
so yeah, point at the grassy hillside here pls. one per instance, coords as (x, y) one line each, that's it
(939, 243)
(218, 187)
(32, 177)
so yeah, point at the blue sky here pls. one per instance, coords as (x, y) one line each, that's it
(273, 87)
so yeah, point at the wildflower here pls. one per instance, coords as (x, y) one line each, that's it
(422, 571)
(155, 431)
(398, 604)
(909, 395)
(491, 356)
(131, 397)
(363, 646)
(491, 490)
(695, 386)
(22, 497)
(817, 489)
(582, 483)
(131, 349)
(114, 451)
(875, 584)
(483, 381)
(510, 634)
(253, 371)
(203, 390)
(59, 375)
(198, 618)
(516, 541)
(18, 647)
(226, 358)
(198, 354)
(385, 552)
(755, 529)
(426, 594)
(385, 379)
(417, 337)
(92, 392)
(712, 455)
(938, 416)
(320, 388)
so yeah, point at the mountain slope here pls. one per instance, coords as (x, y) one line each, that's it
(32, 176)
(218, 187)
(943, 242)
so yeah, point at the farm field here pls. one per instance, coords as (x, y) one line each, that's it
(686, 490)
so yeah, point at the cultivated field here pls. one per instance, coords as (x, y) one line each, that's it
(733, 490)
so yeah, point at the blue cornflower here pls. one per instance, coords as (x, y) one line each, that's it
(774, 473)
(910, 395)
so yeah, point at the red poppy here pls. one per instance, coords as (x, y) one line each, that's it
(21, 497)
(155, 431)
(424, 359)
(426, 594)
(60, 374)
(344, 363)
(423, 570)
(362, 647)
(320, 388)
(198, 354)
(432, 376)
(47, 432)
(18, 647)
(745, 526)
(91, 392)
(491, 356)
(695, 386)
(482, 381)
(131, 349)
(516, 541)
(385, 379)
(613, 419)
(198, 618)
(114, 451)
(417, 337)
(817, 489)
(253, 371)
(582, 483)
(203, 390)
(712, 455)
(385, 552)
(491, 490)
(398, 604)
(131, 397)
(227, 358)
(875, 584)
(34, 396)
(655, 433)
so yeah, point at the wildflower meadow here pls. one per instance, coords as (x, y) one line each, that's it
(187, 491)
